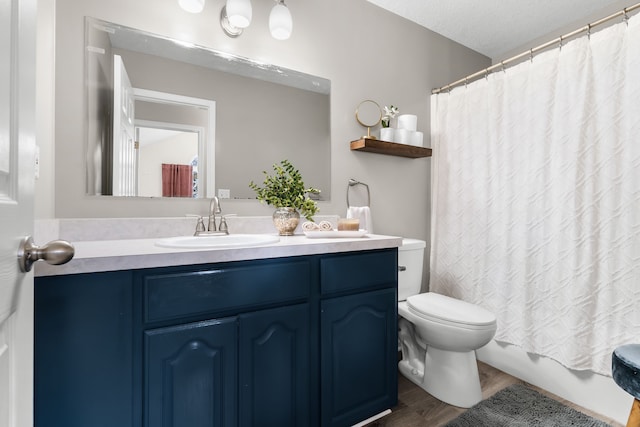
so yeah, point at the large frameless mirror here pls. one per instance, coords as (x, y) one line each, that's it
(166, 118)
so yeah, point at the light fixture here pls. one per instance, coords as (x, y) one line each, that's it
(193, 6)
(228, 29)
(239, 13)
(236, 15)
(280, 22)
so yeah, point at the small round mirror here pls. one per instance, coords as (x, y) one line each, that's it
(368, 114)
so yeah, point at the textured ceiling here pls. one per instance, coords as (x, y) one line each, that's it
(495, 27)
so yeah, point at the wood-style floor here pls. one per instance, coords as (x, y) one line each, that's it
(417, 408)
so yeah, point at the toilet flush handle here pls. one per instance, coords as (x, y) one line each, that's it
(402, 268)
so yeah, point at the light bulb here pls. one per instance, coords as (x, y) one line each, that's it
(280, 22)
(193, 6)
(239, 13)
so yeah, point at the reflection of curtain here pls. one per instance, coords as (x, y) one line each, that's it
(177, 180)
(536, 198)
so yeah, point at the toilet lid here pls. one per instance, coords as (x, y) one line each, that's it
(440, 307)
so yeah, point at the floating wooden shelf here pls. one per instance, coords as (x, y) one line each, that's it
(383, 147)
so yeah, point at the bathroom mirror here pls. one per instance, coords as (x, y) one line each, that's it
(368, 114)
(249, 115)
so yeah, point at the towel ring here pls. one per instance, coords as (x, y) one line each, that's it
(353, 182)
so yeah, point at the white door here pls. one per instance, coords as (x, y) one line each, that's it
(125, 169)
(17, 148)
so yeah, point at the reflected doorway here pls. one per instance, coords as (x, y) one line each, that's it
(174, 145)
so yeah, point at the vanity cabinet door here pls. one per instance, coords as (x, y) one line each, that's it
(275, 368)
(84, 351)
(358, 363)
(191, 375)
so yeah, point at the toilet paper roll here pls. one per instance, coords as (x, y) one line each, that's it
(403, 136)
(408, 121)
(387, 134)
(417, 139)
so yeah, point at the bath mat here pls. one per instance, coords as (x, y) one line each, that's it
(520, 406)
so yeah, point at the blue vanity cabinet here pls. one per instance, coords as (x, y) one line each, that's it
(297, 341)
(358, 333)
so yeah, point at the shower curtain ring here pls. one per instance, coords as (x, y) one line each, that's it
(589, 31)
(625, 18)
(502, 65)
(466, 79)
(531, 55)
(560, 46)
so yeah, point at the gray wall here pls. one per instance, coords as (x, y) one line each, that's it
(366, 52)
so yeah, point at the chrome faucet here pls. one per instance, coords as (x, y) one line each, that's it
(214, 208)
(211, 229)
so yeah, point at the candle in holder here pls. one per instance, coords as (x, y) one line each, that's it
(348, 224)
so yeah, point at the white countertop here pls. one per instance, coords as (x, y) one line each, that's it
(127, 254)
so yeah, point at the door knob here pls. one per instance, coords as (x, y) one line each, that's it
(55, 252)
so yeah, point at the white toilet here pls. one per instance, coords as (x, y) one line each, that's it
(438, 334)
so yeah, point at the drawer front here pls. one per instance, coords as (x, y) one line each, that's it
(359, 272)
(182, 294)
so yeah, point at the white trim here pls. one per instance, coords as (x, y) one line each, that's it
(206, 151)
(372, 419)
(587, 389)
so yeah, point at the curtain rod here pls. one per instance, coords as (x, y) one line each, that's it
(536, 49)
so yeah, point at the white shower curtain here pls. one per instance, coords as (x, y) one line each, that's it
(536, 198)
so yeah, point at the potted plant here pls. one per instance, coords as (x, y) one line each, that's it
(286, 191)
(387, 133)
(389, 113)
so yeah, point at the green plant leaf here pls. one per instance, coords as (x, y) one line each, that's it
(285, 188)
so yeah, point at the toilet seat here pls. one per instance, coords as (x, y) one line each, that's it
(443, 309)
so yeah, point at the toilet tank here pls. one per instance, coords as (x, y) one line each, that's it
(410, 263)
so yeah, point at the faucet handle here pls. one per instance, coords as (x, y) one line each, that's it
(223, 225)
(200, 226)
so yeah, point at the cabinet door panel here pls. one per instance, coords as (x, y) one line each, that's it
(191, 375)
(274, 367)
(358, 356)
(83, 351)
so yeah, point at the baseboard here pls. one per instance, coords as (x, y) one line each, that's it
(597, 393)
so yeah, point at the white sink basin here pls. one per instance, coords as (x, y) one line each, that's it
(214, 242)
